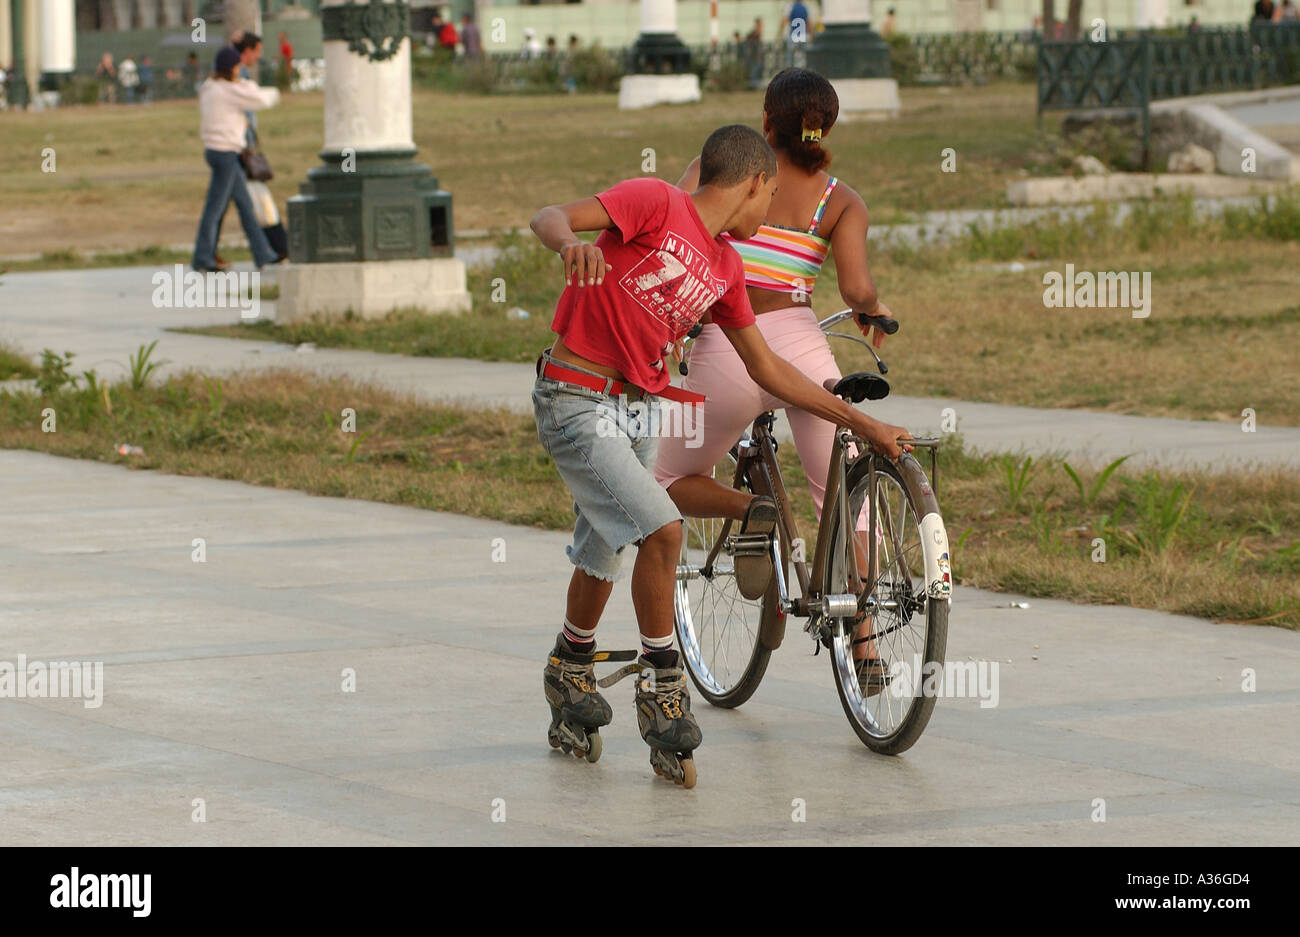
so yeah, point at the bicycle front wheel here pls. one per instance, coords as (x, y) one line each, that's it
(720, 631)
(908, 632)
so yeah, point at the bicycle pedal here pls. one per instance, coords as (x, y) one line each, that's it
(747, 544)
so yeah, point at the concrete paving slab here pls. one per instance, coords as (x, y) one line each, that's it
(104, 315)
(223, 681)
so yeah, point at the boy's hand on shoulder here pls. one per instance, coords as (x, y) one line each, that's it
(584, 264)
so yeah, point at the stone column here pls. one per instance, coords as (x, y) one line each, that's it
(243, 15)
(658, 67)
(370, 229)
(17, 84)
(58, 41)
(856, 60)
(6, 19)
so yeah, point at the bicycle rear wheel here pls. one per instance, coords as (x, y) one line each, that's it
(909, 629)
(719, 631)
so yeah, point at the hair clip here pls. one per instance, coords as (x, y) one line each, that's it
(810, 134)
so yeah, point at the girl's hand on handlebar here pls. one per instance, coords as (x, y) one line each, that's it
(677, 350)
(877, 340)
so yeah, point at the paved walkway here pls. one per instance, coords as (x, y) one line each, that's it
(104, 315)
(222, 681)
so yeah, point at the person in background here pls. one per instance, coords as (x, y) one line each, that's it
(192, 77)
(532, 48)
(754, 54)
(469, 37)
(1194, 26)
(1263, 11)
(224, 102)
(435, 29)
(129, 77)
(447, 38)
(796, 28)
(249, 47)
(1288, 13)
(889, 27)
(284, 70)
(144, 92)
(566, 67)
(106, 72)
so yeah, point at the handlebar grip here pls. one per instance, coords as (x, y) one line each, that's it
(884, 323)
(695, 331)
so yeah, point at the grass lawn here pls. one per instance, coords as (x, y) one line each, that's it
(14, 364)
(1218, 546)
(1221, 336)
(133, 177)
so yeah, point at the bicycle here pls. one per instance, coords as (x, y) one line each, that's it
(896, 586)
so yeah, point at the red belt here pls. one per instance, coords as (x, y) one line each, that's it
(607, 385)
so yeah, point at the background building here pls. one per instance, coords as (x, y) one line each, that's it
(161, 28)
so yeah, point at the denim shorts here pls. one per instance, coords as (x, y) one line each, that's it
(609, 473)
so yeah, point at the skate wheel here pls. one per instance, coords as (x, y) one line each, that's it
(688, 773)
(555, 743)
(594, 747)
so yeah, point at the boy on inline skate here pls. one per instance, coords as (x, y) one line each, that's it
(658, 266)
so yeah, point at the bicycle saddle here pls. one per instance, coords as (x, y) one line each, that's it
(858, 387)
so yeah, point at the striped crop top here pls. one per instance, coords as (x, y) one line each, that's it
(785, 260)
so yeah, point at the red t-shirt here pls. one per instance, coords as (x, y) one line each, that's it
(447, 37)
(666, 271)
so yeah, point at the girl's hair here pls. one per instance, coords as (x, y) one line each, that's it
(801, 106)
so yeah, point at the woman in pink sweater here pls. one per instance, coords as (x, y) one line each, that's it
(224, 100)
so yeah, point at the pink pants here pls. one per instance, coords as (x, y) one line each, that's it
(734, 400)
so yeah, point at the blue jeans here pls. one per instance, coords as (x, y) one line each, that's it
(228, 182)
(616, 500)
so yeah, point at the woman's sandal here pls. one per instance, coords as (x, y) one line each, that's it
(754, 572)
(873, 675)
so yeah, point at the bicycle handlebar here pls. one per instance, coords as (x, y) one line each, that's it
(886, 324)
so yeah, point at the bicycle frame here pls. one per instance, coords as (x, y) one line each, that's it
(756, 455)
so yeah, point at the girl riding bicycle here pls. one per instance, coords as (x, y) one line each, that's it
(811, 215)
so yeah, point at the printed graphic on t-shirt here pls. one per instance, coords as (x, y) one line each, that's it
(674, 284)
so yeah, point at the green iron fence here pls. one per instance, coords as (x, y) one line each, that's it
(1129, 72)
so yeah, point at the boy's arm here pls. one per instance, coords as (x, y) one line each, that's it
(782, 379)
(555, 225)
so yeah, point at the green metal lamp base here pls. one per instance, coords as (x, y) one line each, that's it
(371, 206)
(658, 54)
(849, 50)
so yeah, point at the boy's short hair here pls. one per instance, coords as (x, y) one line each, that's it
(247, 41)
(733, 154)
